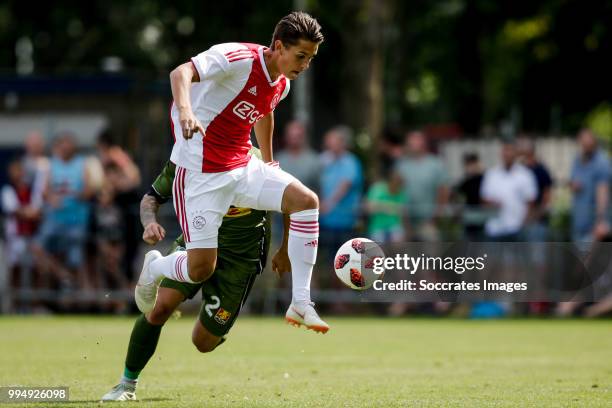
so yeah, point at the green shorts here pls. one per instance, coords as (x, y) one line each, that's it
(225, 292)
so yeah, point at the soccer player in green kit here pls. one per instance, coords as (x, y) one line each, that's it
(244, 240)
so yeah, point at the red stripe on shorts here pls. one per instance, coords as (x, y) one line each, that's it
(176, 197)
(185, 221)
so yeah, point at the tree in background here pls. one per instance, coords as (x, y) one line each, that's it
(543, 66)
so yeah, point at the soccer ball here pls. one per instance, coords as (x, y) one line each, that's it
(354, 263)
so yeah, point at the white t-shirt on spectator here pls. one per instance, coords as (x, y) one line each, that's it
(9, 204)
(513, 189)
(15, 245)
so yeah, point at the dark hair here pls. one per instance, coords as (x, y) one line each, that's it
(470, 158)
(106, 137)
(295, 27)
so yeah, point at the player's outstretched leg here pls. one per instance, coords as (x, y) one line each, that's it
(143, 343)
(303, 208)
(145, 292)
(176, 266)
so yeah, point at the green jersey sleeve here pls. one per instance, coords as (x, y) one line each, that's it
(161, 188)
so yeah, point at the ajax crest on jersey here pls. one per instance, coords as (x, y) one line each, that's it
(354, 263)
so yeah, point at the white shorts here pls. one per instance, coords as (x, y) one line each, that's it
(202, 199)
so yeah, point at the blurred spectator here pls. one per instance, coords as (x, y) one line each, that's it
(473, 215)
(385, 205)
(510, 188)
(297, 158)
(590, 180)
(110, 248)
(20, 220)
(391, 149)
(341, 188)
(67, 208)
(123, 177)
(537, 229)
(36, 167)
(426, 186)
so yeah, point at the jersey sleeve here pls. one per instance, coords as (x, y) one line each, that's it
(211, 64)
(222, 60)
(161, 188)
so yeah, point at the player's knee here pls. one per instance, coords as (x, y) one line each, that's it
(206, 344)
(308, 200)
(201, 271)
(160, 314)
(311, 200)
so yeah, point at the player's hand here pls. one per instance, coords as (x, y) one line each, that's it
(280, 262)
(190, 125)
(153, 233)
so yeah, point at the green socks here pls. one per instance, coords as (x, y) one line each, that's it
(143, 342)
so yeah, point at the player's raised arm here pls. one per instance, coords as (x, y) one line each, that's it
(264, 128)
(180, 82)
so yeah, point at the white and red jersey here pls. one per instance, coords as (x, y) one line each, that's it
(234, 92)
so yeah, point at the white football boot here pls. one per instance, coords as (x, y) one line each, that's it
(121, 392)
(145, 292)
(304, 314)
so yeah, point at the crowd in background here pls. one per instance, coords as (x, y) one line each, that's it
(414, 194)
(415, 199)
(71, 221)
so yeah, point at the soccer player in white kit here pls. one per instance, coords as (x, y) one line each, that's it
(219, 96)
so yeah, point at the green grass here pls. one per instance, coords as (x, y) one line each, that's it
(361, 362)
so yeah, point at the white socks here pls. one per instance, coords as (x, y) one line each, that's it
(173, 266)
(302, 250)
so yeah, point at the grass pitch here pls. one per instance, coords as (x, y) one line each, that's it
(360, 362)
